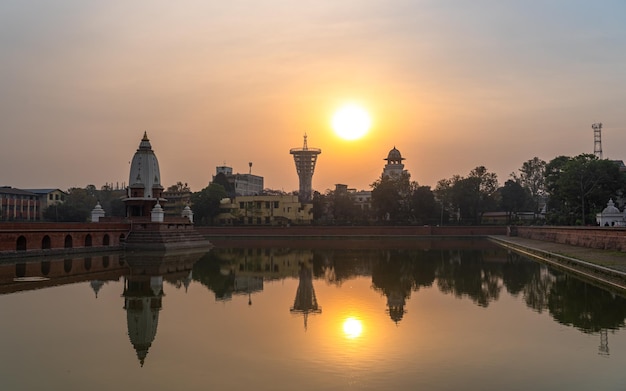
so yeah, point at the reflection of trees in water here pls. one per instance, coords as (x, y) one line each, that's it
(396, 273)
(211, 272)
(475, 274)
(584, 306)
(465, 273)
(337, 266)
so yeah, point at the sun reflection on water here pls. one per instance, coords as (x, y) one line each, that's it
(352, 328)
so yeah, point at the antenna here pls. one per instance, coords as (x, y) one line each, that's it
(597, 139)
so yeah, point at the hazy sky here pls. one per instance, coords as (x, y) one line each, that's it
(452, 84)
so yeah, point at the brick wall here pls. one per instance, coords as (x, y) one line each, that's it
(591, 237)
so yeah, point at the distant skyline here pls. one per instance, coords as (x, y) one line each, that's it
(452, 84)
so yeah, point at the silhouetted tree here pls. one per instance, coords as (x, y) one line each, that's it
(206, 203)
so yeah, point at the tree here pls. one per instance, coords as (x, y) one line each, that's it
(391, 197)
(206, 203)
(532, 177)
(77, 206)
(341, 206)
(179, 187)
(581, 185)
(514, 198)
(469, 197)
(425, 208)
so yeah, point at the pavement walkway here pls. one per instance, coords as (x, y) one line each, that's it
(608, 266)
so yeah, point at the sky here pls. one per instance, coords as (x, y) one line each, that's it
(452, 84)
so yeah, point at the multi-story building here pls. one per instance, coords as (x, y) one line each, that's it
(242, 184)
(176, 201)
(48, 197)
(19, 205)
(265, 210)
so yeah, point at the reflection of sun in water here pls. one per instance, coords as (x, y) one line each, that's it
(351, 122)
(352, 328)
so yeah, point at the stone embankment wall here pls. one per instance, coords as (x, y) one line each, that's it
(45, 238)
(591, 237)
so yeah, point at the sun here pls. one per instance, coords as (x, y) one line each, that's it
(351, 122)
(352, 328)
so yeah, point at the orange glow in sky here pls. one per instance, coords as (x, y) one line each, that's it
(451, 86)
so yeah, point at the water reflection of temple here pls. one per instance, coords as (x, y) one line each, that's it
(142, 301)
(143, 292)
(305, 302)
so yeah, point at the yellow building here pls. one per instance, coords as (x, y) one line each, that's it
(265, 210)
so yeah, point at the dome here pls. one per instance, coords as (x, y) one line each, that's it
(610, 208)
(394, 154)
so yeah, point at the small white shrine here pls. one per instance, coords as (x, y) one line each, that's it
(611, 216)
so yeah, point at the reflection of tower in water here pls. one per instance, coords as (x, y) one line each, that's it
(395, 306)
(305, 302)
(142, 302)
(603, 349)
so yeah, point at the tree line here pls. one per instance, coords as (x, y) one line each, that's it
(563, 191)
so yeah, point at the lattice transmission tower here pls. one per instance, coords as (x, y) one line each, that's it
(597, 139)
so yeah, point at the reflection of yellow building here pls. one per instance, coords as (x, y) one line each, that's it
(265, 210)
(269, 263)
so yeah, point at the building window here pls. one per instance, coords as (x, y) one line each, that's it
(50, 197)
(56, 197)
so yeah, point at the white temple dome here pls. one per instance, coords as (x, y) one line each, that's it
(610, 208)
(144, 168)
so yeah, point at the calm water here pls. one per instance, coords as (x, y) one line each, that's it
(370, 316)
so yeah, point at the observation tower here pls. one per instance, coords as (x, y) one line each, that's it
(305, 159)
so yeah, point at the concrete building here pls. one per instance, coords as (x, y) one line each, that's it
(305, 159)
(176, 201)
(242, 184)
(19, 205)
(265, 210)
(48, 197)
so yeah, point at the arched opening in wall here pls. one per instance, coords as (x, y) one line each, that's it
(45, 268)
(20, 244)
(67, 265)
(20, 270)
(122, 238)
(88, 240)
(106, 240)
(45, 243)
(88, 263)
(105, 261)
(68, 241)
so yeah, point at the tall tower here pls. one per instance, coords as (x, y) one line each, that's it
(597, 139)
(305, 159)
(394, 166)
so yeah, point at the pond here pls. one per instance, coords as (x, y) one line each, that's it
(324, 315)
